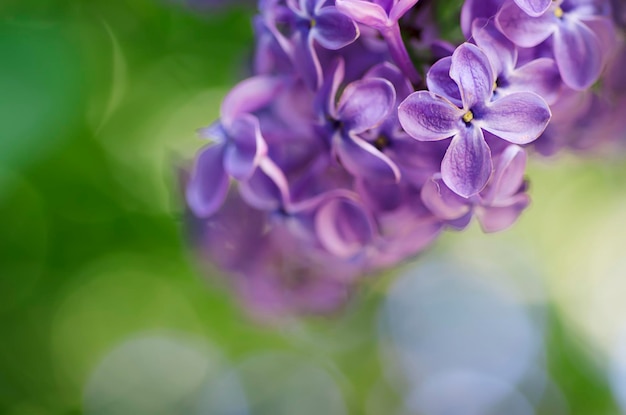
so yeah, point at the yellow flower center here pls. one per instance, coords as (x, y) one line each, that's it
(468, 117)
(558, 12)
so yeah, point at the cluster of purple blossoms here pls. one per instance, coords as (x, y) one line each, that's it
(362, 134)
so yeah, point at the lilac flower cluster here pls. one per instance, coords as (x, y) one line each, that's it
(362, 134)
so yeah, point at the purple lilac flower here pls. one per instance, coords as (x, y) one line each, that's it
(496, 207)
(344, 227)
(540, 75)
(311, 23)
(362, 106)
(239, 149)
(576, 28)
(590, 121)
(518, 118)
(327, 165)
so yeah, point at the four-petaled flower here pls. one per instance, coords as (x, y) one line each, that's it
(238, 149)
(496, 207)
(581, 36)
(518, 118)
(364, 104)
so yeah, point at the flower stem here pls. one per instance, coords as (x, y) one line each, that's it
(398, 52)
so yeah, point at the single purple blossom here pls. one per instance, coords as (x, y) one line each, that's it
(311, 23)
(239, 146)
(539, 75)
(363, 105)
(518, 118)
(576, 28)
(344, 227)
(496, 207)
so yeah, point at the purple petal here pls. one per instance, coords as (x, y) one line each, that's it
(604, 29)
(466, 166)
(472, 71)
(363, 159)
(534, 7)
(400, 8)
(390, 72)
(524, 30)
(249, 96)
(365, 104)
(418, 160)
(443, 202)
(578, 54)
(246, 147)
(475, 9)
(508, 174)
(311, 7)
(209, 182)
(428, 117)
(500, 51)
(386, 5)
(497, 218)
(327, 94)
(540, 76)
(365, 12)
(239, 163)
(518, 118)
(306, 60)
(441, 48)
(294, 5)
(214, 132)
(344, 227)
(380, 196)
(267, 188)
(438, 81)
(333, 29)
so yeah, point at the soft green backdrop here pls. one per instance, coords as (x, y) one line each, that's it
(99, 102)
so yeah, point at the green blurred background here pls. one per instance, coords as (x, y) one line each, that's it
(99, 103)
